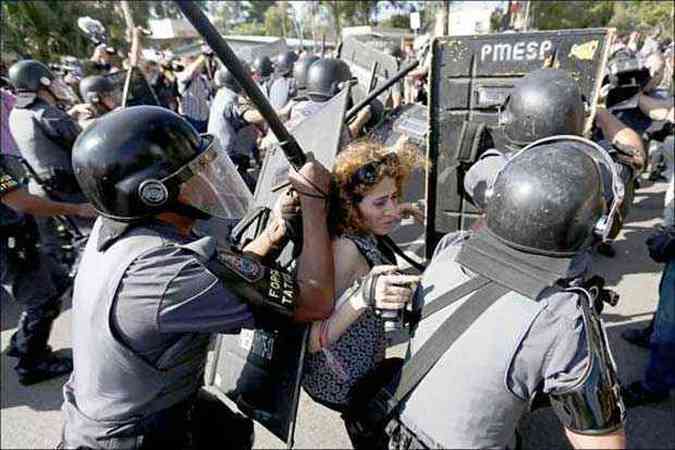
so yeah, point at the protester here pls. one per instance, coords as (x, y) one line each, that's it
(349, 346)
(659, 376)
(194, 90)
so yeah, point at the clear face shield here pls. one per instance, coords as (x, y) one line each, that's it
(211, 184)
(612, 184)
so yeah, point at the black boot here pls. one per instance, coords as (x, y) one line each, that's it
(606, 249)
(42, 368)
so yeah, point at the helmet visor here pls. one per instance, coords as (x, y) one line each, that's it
(210, 183)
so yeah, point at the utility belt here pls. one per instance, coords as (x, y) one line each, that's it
(59, 180)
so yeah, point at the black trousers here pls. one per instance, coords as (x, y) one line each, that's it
(29, 277)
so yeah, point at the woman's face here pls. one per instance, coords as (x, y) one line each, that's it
(379, 207)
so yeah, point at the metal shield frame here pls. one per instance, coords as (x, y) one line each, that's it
(470, 78)
(360, 58)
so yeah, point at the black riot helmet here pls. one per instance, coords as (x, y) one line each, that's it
(140, 161)
(546, 102)
(30, 75)
(554, 196)
(263, 66)
(325, 78)
(94, 87)
(300, 69)
(224, 78)
(285, 62)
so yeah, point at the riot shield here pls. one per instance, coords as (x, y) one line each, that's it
(132, 87)
(274, 171)
(470, 78)
(362, 59)
(260, 370)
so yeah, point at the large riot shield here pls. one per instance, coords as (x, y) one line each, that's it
(471, 76)
(260, 370)
(274, 171)
(369, 64)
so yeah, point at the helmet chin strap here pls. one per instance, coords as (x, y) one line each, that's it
(189, 211)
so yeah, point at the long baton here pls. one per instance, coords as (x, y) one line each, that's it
(386, 85)
(296, 157)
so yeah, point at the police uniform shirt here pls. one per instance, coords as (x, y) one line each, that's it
(463, 388)
(168, 292)
(45, 136)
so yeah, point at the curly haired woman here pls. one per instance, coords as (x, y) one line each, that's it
(347, 350)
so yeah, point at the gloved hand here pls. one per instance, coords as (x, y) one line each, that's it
(385, 288)
(286, 219)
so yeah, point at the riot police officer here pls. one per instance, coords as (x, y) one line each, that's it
(100, 97)
(149, 294)
(263, 68)
(44, 135)
(26, 274)
(504, 314)
(325, 78)
(233, 133)
(282, 86)
(300, 69)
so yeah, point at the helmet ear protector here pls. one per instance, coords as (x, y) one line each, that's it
(157, 193)
(605, 225)
(93, 97)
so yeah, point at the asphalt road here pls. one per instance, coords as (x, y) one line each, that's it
(30, 416)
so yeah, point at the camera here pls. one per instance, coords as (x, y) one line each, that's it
(626, 76)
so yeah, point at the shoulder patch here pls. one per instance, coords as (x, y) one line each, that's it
(247, 268)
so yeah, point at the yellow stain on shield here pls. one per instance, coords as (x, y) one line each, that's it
(584, 51)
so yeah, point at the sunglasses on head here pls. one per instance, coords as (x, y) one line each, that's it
(368, 173)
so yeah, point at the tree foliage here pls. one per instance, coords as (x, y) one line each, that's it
(278, 22)
(45, 29)
(626, 16)
(555, 15)
(642, 16)
(397, 21)
(255, 10)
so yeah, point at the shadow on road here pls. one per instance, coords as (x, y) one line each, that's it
(45, 396)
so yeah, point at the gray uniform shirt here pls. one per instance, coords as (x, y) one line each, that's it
(481, 386)
(168, 292)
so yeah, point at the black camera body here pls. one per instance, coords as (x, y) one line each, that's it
(627, 76)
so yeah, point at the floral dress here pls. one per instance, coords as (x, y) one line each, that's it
(330, 374)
